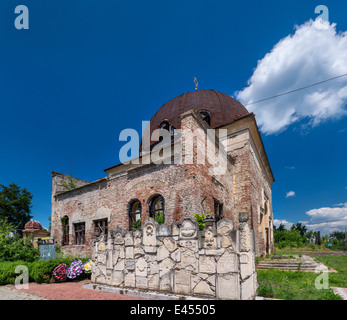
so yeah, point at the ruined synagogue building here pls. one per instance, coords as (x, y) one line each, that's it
(85, 217)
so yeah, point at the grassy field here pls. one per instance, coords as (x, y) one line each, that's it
(299, 285)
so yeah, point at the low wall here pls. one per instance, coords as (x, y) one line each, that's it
(180, 259)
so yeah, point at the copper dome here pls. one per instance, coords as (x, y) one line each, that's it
(32, 225)
(222, 108)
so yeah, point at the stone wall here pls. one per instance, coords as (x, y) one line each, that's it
(180, 259)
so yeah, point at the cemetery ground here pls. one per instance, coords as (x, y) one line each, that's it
(300, 285)
(273, 283)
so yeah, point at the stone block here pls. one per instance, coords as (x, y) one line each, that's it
(176, 255)
(170, 244)
(129, 252)
(207, 264)
(190, 244)
(119, 266)
(130, 265)
(163, 231)
(138, 252)
(189, 261)
(150, 249)
(128, 239)
(129, 280)
(203, 288)
(228, 287)
(166, 282)
(228, 262)
(166, 266)
(182, 282)
(141, 267)
(141, 282)
(248, 290)
(117, 278)
(162, 253)
(153, 282)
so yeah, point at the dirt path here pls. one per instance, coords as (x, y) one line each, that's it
(67, 291)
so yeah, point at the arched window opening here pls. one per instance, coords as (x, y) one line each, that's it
(156, 206)
(206, 117)
(65, 226)
(134, 214)
(165, 125)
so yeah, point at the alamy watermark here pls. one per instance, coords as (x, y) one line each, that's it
(22, 20)
(323, 11)
(22, 281)
(176, 146)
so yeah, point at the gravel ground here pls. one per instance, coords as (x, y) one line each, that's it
(7, 293)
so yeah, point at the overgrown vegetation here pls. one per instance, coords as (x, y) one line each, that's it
(39, 271)
(12, 247)
(159, 217)
(300, 285)
(291, 285)
(69, 183)
(200, 219)
(298, 237)
(136, 225)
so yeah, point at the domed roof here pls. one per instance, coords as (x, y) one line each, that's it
(222, 108)
(33, 225)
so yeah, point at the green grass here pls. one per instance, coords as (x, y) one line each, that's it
(299, 285)
(291, 285)
(339, 263)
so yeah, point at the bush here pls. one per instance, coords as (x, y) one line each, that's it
(288, 238)
(159, 217)
(39, 271)
(199, 218)
(12, 248)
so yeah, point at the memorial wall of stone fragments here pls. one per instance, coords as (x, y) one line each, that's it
(218, 263)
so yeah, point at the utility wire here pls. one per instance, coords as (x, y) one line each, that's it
(302, 88)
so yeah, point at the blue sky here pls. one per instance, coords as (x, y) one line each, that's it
(86, 70)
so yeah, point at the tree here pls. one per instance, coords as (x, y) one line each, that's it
(299, 227)
(281, 227)
(339, 235)
(15, 205)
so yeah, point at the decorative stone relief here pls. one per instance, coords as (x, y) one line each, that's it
(118, 236)
(163, 231)
(149, 237)
(245, 241)
(189, 260)
(180, 259)
(189, 229)
(209, 237)
(141, 267)
(137, 237)
(224, 229)
(128, 239)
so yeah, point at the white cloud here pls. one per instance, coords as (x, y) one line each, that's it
(286, 223)
(290, 194)
(328, 219)
(314, 53)
(290, 167)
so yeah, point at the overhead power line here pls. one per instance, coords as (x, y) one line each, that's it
(295, 90)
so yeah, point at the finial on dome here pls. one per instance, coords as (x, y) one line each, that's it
(196, 83)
